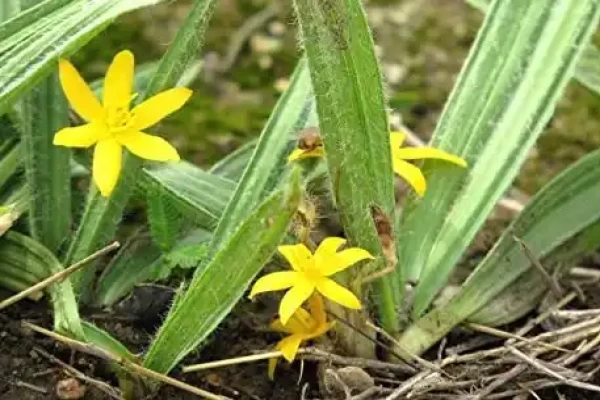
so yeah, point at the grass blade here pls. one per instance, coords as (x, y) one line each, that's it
(47, 167)
(221, 284)
(33, 256)
(353, 123)
(524, 55)
(31, 42)
(560, 219)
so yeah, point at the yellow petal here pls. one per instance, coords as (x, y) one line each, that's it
(107, 165)
(299, 154)
(289, 347)
(272, 366)
(274, 281)
(336, 292)
(118, 82)
(79, 136)
(148, 147)
(397, 139)
(294, 298)
(78, 93)
(158, 107)
(411, 174)
(297, 255)
(344, 259)
(418, 153)
(319, 331)
(329, 247)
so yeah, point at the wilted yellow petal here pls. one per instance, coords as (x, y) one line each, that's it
(329, 247)
(337, 293)
(300, 322)
(294, 298)
(317, 309)
(148, 147)
(107, 165)
(411, 174)
(78, 93)
(79, 136)
(158, 107)
(299, 154)
(272, 366)
(342, 260)
(289, 346)
(297, 255)
(418, 153)
(274, 281)
(118, 82)
(397, 139)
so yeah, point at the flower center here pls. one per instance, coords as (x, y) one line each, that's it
(119, 119)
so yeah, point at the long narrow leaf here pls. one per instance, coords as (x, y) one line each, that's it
(523, 57)
(560, 212)
(587, 71)
(353, 122)
(223, 281)
(35, 257)
(47, 166)
(32, 42)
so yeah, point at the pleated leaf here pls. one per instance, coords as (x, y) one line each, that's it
(523, 57)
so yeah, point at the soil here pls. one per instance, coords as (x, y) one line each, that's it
(21, 364)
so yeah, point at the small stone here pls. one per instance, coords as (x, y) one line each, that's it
(265, 62)
(394, 73)
(264, 44)
(281, 84)
(277, 28)
(348, 379)
(356, 378)
(70, 389)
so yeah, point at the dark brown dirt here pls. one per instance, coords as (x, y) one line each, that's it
(21, 365)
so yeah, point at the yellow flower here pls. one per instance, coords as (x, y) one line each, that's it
(311, 272)
(301, 327)
(409, 172)
(112, 125)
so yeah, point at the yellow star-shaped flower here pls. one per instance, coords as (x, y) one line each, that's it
(113, 125)
(400, 155)
(301, 327)
(312, 272)
(409, 172)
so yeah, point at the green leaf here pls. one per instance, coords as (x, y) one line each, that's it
(33, 257)
(140, 261)
(11, 160)
(102, 215)
(223, 280)
(523, 295)
(561, 218)
(31, 42)
(353, 122)
(197, 194)
(47, 167)
(163, 218)
(233, 165)
(587, 71)
(523, 57)
(8, 9)
(105, 341)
